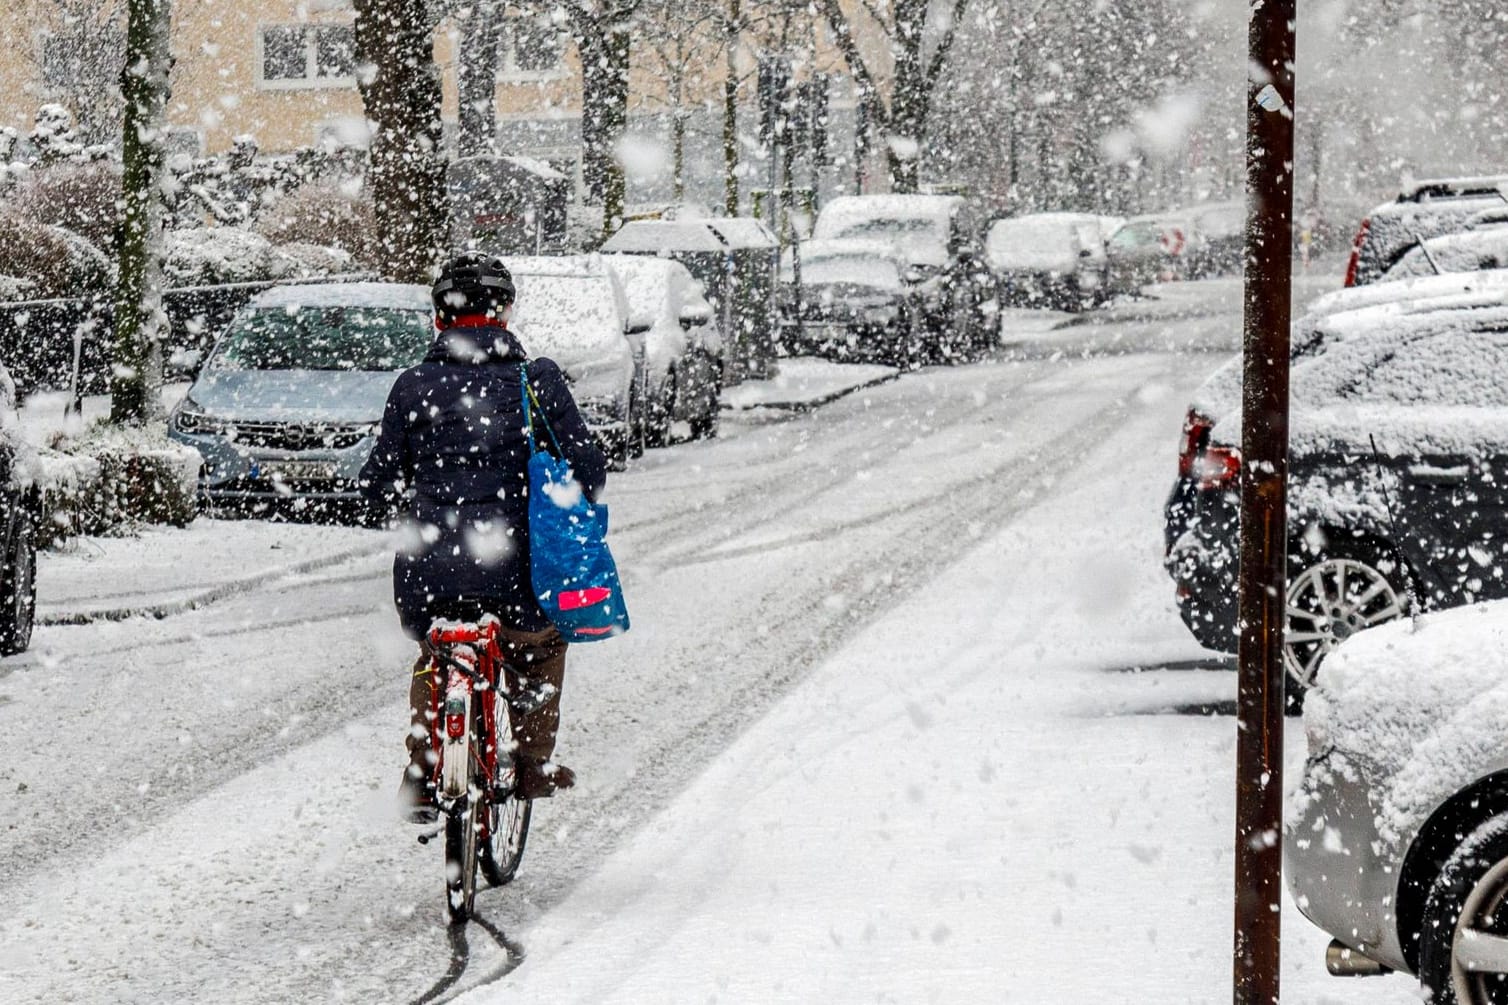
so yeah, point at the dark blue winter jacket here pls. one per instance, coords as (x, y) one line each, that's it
(453, 436)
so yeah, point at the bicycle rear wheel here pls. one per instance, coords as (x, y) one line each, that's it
(507, 820)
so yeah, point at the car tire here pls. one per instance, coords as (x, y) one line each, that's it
(709, 400)
(18, 588)
(1468, 897)
(1343, 591)
(661, 413)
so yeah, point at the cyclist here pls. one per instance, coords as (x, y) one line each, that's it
(453, 440)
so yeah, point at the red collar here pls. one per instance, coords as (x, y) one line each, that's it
(471, 321)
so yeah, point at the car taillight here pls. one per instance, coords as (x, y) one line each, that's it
(1217, 467)
(1361, 237)
(1196, 430)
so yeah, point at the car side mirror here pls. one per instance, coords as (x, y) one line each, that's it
(695, 315)
(184, 364)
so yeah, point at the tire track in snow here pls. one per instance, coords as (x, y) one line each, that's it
(922, 542)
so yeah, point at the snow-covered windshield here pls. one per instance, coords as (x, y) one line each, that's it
(1449, 368)
(893, 229)
(856, 270)
(325, 338)
(1136, 235)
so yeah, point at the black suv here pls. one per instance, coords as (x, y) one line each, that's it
(1423, 210)
(1398, 480)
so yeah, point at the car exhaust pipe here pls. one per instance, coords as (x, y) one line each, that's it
(1343, 961)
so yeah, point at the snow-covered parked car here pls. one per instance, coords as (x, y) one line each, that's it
(1422, 210)
(684, 351)
(1051, 259)
(572, 308)
(1146, 249)
(941, 237)
(1396, 840)
(1398, 452)
(854, 303)
(288, 402)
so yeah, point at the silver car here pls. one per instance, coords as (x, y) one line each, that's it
(288, 402)
(1397, 834)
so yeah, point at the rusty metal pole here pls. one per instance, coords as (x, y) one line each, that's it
(1264, 468)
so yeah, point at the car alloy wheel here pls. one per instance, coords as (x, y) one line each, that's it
(1329, 602)
(1463, 944)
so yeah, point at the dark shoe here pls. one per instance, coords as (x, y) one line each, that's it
(540, 779)
(416, 797)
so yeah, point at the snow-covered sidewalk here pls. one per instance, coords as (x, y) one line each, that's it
(167, 570)
(806, 382)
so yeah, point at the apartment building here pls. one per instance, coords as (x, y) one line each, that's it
(284, 72)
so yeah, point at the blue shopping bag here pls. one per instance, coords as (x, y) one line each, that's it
(574, 576)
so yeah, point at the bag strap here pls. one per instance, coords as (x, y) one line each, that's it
(526, 392)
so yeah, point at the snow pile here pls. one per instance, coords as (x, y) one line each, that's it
(1421, 712)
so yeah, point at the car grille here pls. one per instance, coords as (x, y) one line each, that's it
(296, 436)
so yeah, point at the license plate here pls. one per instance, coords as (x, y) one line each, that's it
(296, 471)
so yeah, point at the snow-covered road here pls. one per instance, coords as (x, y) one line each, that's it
(877, 734)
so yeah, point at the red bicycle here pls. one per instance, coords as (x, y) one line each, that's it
(471, 733)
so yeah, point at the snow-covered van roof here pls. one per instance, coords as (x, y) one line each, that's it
(847, 210)
(392, 296)
(578, 266)
(656, 236)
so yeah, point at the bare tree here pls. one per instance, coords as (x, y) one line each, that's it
(82, 49)
(480, 25)
(918, 45)
(602, 31)
(685, 38)
(400, 88)
(138, 311)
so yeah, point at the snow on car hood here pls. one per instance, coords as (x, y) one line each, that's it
(294, 395)
(1420, 710)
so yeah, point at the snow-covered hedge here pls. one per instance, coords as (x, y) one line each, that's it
(55, 261)
(112, 479)
(333, 215)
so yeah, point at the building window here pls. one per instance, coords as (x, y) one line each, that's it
(532, 46)
(308, 55)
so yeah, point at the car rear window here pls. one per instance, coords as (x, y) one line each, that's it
(1449, 368)
(325, 338)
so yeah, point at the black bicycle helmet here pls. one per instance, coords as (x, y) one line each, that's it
(472, 284)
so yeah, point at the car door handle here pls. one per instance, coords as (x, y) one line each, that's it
(1432, 475)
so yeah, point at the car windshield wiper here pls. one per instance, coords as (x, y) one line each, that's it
(1424, 250)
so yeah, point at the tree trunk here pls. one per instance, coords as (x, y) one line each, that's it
(908, 102)
(615, 121)
(138, 235)
(400, 90)
(730, 112)
(476, 80)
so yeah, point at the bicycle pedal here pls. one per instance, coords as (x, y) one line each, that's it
(425, 837)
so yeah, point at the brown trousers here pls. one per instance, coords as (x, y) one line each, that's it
(538, 656)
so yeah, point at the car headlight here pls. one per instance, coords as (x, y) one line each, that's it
(190, 417)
